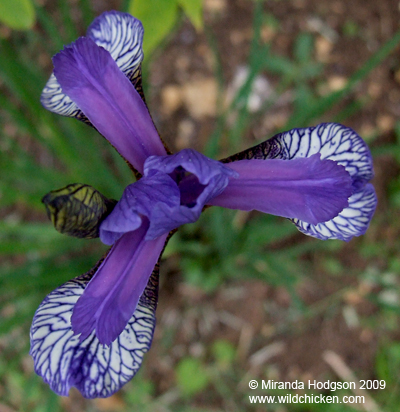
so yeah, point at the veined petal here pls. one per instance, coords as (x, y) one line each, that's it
(139, 199)
(112, 295)
(344, 146)
(191, 161)
(166, 217)
(352, 221)
(56, 101)
(333, 141)
(309, 189)
(90, 77)
(172, 192)
(63, 361)
(120, 34)
(198, 178)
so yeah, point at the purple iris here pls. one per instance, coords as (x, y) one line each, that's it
(93, 331)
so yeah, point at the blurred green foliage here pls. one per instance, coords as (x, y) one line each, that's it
(159, 18)
(191, 376)
(17, 14)
(41, 152)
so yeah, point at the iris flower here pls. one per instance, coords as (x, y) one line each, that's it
(93, 331)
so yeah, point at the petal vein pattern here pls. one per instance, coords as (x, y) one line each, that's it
(352, 221)
(120, 34)
(312, 189)
(334, 142)
(90, 77)
(115, 290)
(96, 370)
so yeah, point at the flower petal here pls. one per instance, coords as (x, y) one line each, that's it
(139, 199)
(113, 294)
(352, 221)
(165, 217)
(172, 192)
(310, 189)
(120, 34)
(63, 361)
(332, 140)
(90, 77)
(56, 101)
(192, 161)
(207, 178)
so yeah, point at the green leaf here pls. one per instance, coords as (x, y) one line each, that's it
(194, 10)
(158, 19)
(191, 375)
(17, 14)
(224, 353)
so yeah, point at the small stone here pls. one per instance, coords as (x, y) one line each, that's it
(366, 130)
(186, 131)
(323, 48)
(336, 83)
(171, 99)
(353, 297)
(200, 97)
(267, 33)
(261, 90)
(366, 336)
(385, 122)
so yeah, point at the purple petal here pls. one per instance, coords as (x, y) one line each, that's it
(310, 189)
(352, 221)
(112, 295)
(63, 361)
(192, 161)
(199, 179)
(90, 77)
(55, 100)
(121, 35)
(139, 199)
(172, 192)
(165, 217)
(333, 141)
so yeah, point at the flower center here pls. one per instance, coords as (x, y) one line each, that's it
(172, 192)
(189, 186)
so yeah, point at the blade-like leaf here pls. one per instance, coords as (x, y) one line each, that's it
(158, 19)
(194, 10)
